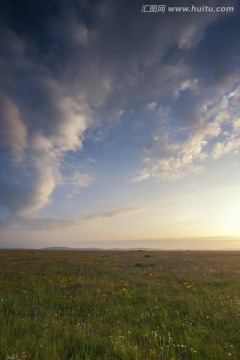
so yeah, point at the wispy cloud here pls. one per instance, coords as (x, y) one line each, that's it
(113, 214)
(41, 223)
(217, 134)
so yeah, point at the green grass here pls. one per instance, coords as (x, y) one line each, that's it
(58, 305)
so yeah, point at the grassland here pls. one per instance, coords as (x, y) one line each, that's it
(58, 305)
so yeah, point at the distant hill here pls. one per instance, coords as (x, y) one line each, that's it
(91, 249)
(68, 248)
(65, 248)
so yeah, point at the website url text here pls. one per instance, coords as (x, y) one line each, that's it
(184, 9)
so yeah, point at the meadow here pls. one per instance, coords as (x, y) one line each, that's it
(113, 305)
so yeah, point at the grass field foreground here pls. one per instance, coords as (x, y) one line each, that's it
(129, 305)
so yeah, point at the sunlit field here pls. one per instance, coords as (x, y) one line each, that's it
(119, 305)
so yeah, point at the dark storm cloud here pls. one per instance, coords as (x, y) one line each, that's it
(69, 65)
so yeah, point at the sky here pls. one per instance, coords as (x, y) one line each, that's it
(119, 124)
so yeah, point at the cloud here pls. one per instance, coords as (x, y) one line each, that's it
(25, 199)
(77, 179)
(202, 112)
(79, 67)
(113, 214)
(152, 105)
(40, 122)
(37, 223)
(174, 160)
(42, 223)
(14, 132)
